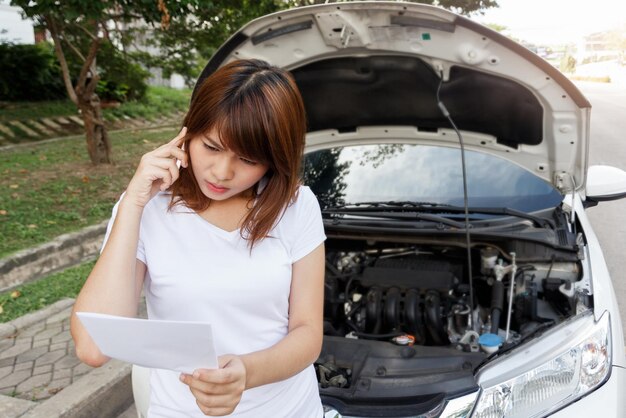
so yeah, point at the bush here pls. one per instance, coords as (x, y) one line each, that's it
(110, 91)
(30, 73)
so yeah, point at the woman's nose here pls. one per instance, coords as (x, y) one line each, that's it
(223, 169)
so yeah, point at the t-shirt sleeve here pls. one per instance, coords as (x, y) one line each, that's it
(307, 229)
(141, 254)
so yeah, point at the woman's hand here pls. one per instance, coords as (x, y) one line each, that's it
(218, 391)
(157, 170)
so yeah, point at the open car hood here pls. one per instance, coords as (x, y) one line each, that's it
(369, 71)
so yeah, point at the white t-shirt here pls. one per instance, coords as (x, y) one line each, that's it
(197, 271)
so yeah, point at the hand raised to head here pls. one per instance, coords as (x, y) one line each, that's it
(157, 170)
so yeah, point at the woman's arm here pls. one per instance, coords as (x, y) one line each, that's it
(114, 285)
(218, 392)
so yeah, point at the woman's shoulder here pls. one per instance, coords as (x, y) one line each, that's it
(301, 227)
(303, 198)
(301, 204)
(304, 195)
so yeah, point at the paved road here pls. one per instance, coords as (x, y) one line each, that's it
(608, 146)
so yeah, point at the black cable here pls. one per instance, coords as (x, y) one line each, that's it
(445, 112)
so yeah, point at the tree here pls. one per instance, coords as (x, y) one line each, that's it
(81, 27)
(191, 40)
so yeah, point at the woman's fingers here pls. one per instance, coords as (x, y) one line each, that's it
(161, 172)
(160, 177)
(177, 143)
(178, 139)
(218, 391)
(174, 174)
(170, 150)
(180, 155)
(158, 169)
(215, 405)
(215, 398)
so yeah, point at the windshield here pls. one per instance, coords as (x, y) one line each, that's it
(419, 173)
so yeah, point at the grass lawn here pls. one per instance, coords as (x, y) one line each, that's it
(158, 101)
(33, 296)
(49, 189)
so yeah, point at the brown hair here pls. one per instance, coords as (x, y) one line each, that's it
(258, 113)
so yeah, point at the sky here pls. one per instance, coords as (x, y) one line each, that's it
(550, 22)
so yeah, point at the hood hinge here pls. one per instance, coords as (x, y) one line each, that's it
(564, 182)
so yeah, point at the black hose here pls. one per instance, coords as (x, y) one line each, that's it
(373, 310)
(434, 323)
(372, 336)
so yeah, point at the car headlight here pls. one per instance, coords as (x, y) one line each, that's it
(549, 373)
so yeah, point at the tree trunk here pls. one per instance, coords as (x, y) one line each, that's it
(83, 94)
(98, 144)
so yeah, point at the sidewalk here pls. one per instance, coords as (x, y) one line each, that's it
(38, 361)
(41, 377)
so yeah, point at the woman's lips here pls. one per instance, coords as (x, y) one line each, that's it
(216, 189)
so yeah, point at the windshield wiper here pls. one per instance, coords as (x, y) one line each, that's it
(442, 220)
(390, 204)
(392, 211)
(408, 206)
(541, 222)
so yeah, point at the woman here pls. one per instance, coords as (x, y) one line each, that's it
(230, 237)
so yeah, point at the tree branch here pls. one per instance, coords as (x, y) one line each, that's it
(73, 48)
(58, 49)
(91, 86)
(123, 16)
(91, 35)
(82, 78)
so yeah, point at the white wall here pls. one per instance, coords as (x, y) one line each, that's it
(18, 31)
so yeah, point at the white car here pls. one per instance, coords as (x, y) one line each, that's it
(495, 302)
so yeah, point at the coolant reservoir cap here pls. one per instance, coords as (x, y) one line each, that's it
(490, 340)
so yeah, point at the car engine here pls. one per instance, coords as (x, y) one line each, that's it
(389, 306)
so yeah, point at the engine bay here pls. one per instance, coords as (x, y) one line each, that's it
(399, 317)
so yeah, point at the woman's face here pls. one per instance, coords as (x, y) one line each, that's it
(222, 174)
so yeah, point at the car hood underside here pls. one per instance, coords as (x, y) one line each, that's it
(379, 64)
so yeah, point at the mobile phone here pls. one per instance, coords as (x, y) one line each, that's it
(177, 160)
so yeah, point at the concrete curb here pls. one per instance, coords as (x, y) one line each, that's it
(105, 392)
(64, 251)
(12, 327)
(14, 407)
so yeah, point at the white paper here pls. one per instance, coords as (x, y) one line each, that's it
(173, 345)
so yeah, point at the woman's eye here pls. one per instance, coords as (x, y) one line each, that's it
(246, 161)
(210, 147)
